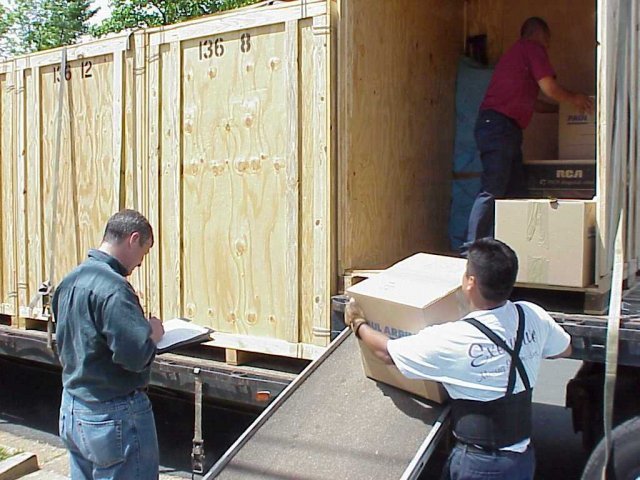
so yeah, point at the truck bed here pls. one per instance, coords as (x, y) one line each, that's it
(589, 332)
(233, 385)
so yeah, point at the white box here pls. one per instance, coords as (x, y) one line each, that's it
(419, 291)
(576, 133)
(554, 240)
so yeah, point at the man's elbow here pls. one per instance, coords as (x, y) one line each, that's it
(383, 355)
(551, 89)
(137, 363)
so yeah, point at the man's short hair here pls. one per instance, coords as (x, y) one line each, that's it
(124, 223)
(495, 267)
(532, 25)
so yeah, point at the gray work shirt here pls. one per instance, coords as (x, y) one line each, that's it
(102, 334)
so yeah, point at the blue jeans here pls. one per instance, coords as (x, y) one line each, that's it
(467, 464)
(499, 140)
(115, 439)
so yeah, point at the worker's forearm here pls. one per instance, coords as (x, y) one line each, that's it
(376, 342)
(554, 90)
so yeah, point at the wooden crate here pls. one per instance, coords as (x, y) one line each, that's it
(236, 125)
(8, 259)
(96, 151)
(275, 148)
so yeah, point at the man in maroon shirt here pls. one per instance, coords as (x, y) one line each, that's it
(507, 108)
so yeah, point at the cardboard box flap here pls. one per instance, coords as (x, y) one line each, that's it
(416, 281)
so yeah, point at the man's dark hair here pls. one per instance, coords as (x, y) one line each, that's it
(495, 266)
(532, 25)
(122, 224)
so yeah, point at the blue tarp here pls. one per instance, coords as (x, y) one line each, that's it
(471, 84)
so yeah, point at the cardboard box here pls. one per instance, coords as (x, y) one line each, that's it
(568, 179)
(419, 291)
(554, 240)
(576, 133)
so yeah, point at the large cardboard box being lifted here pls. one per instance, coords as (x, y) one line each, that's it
(419, 291)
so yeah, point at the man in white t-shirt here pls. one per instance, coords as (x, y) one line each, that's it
(472, 357)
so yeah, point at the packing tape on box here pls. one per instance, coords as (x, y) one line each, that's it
(538, 223)
(537, 269)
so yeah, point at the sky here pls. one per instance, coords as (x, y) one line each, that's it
(103, 12)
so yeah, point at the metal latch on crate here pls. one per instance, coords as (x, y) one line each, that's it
(197, 450)
(45, 292)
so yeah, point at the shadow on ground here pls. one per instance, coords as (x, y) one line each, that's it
(30, 400)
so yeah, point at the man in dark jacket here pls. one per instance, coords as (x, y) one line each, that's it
(106, 347)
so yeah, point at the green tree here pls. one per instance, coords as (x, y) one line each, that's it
(42, 24)
(152, 13)
(5, 23)
(4, 20)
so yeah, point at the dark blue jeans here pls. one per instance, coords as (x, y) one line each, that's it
(469, 464)
(114, 440)
(499, 140)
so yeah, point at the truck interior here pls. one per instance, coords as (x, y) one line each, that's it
(401, 66)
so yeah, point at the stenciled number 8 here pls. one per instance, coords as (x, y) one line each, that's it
(245, 43)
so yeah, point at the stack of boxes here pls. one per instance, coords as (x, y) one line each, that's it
(554, 234)
(573, 175)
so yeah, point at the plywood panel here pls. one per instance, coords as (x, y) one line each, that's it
(154, 280)
(397, 121)
(307, 144)
(486, 17)
(8, 267)
(89, 167)
(170, 196)
(135, 185)
(322, 178)
(208, 146)
(33, 242)
(316, 184)
(236, 114)
(20, 189)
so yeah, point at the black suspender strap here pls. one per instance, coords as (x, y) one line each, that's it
(516, 362)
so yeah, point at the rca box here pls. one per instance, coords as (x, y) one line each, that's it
(570, 179)
(576, 133)
(554, 239)
(419, 291)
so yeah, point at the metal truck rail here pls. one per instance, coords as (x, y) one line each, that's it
(244, 386)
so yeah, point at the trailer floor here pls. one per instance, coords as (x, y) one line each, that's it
(336, 424)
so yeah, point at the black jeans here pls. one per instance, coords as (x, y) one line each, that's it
(499, 140)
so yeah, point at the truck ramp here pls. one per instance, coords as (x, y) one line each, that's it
(334, 423)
